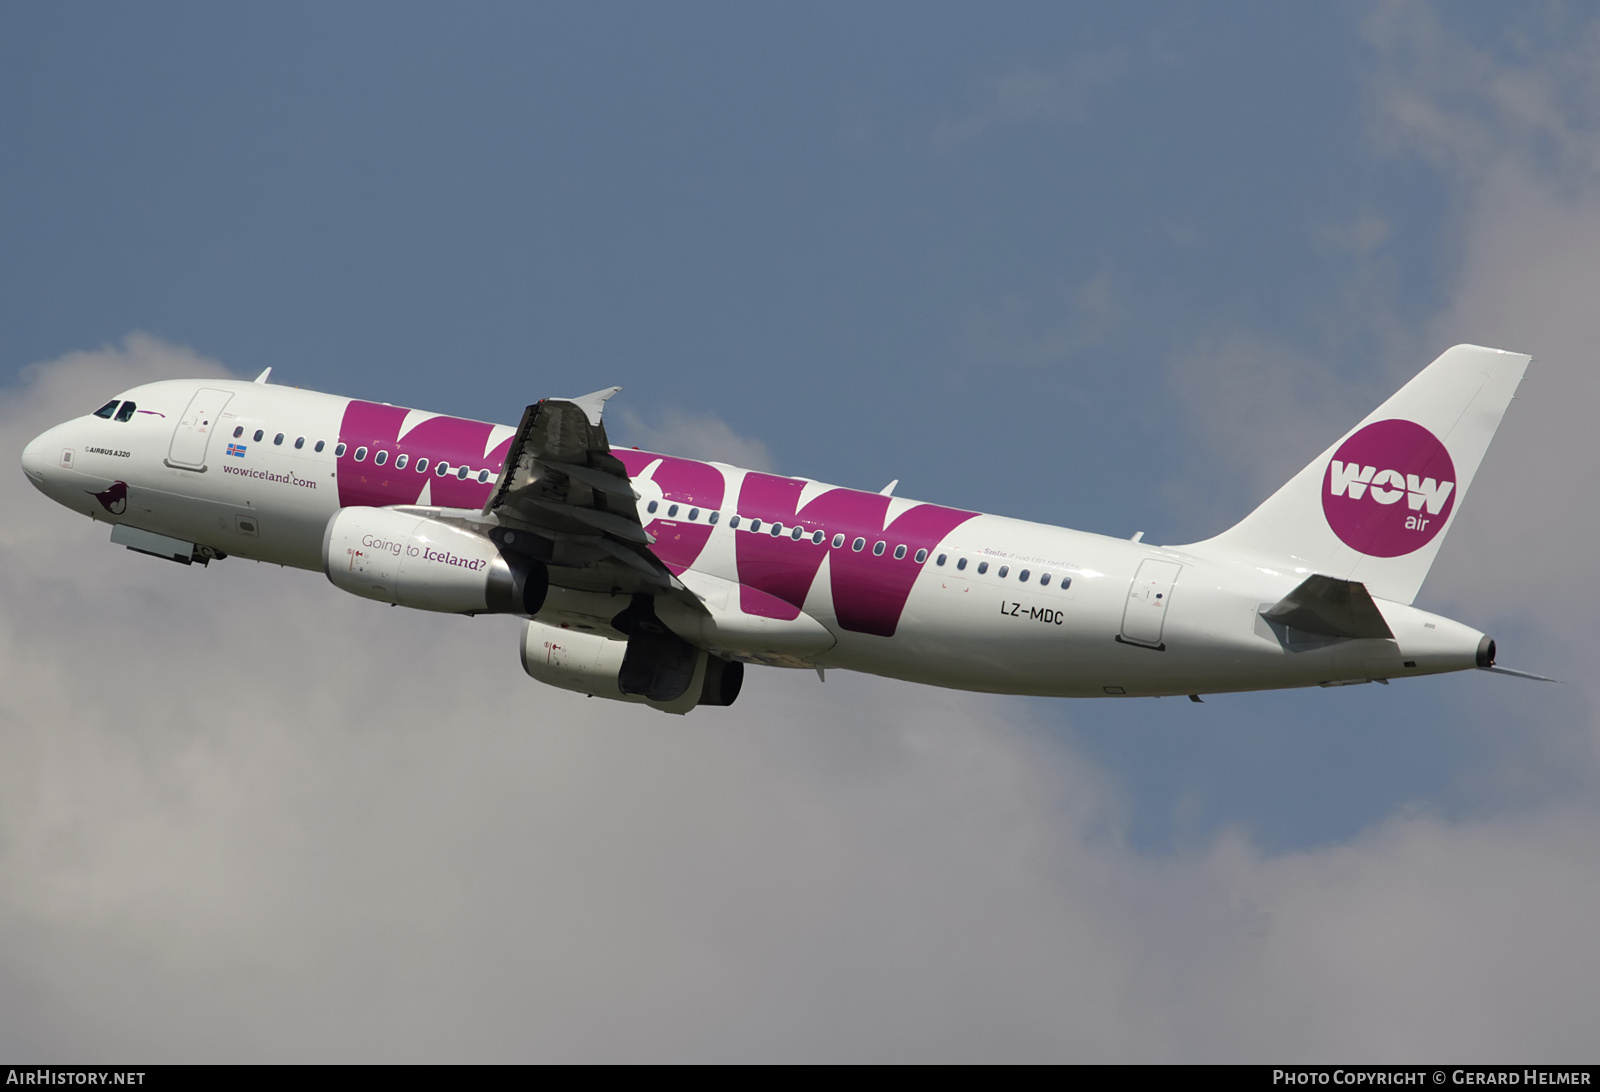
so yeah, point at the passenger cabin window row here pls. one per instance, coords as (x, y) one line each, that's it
(381, 458)
(1023, 575)
(119, 410)
(277, 441)
(777, 529)
(440, 468)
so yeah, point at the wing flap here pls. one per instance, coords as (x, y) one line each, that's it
(604, 480)
(630, 531)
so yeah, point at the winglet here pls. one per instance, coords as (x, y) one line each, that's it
(262, 378)
(593, 405)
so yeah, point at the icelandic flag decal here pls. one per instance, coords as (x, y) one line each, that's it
(236, 449)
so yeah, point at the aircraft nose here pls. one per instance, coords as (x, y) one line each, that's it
(40, 456)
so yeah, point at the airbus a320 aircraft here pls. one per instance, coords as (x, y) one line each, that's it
(655, 579)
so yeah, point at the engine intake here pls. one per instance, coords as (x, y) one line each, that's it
(413, 561)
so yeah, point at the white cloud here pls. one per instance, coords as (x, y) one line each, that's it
(244, 816)
(1470, 111)
(691, 436)
(1030, 95)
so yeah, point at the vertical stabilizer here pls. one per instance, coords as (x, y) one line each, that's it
(1375, 507)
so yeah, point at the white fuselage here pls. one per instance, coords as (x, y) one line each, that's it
(995, 604)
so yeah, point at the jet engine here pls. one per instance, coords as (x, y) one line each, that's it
(634, 670)
(413, 561)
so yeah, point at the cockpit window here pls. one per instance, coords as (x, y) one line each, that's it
(108, 409)
(126, 412)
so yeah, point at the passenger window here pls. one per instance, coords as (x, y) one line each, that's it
(1066, 582)
(361, 453)
(400, 461)
(318, 448)
(838, 541)
(983, 567)
(816, 539)
(694, 514)
(672, 510)
(483, 477)
(422, 466)
(299, 442)
(381, 457)
(1002, 573)
(652, 506)
(796, 533)
(1023, 576)
(461, 473)
(922, 555)
(238, 432)
(755, 525)
(961, 563)
(713, 517)
(777, 529)
(858, 544)
(940, 559)
(278, 440)
(734, 523)
(900, 553)
(126, 412)
(259, 434)
(1044, 580)
(441, 468)
(339, 451)
(877, 551)
(111, 407)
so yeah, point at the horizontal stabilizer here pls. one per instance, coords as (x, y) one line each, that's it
(1332, 608)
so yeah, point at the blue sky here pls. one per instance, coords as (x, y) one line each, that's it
(1120, 267)
(918, 207)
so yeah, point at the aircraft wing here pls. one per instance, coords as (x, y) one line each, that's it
(565, 499)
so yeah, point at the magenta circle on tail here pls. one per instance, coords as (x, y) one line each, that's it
(1389, 489)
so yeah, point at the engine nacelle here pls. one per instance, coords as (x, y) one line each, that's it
(414, 561)
(590, 663)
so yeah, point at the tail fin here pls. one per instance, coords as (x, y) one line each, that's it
(1375, 507)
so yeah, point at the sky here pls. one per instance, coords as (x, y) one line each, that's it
(1121, 268)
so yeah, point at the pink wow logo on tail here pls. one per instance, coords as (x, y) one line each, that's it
(1389, 489)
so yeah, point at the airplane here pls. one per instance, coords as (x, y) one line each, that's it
(654, 579)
